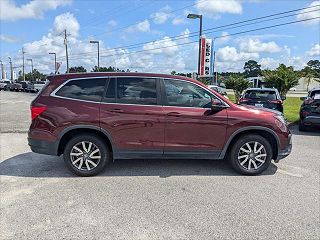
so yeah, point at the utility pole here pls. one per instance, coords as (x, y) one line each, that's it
(2, 70)
(23, 52)
(66, 45)
(214, 65)
(11, 69)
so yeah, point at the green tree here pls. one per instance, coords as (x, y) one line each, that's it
(252, 69)
(315, 66)
(173, 72)
(238, 84)
(34, 76)
(283, 78)
(77, 69)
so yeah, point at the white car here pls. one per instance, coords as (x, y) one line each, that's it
(218, 90)
(39, 85)
(293, 89)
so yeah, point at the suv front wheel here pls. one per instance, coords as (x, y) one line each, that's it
(86, 155)
(250, 155)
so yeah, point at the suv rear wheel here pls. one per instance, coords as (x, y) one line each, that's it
(86, 155)
(251, 155)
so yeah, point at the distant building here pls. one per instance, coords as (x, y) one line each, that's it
(303, 83)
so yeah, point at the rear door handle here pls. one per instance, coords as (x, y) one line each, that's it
(174, 114)
(116, 110)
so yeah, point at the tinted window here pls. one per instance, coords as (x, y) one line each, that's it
(111, 91)
(84, 89)
(186, 94)
(137, 91)
(261, 95)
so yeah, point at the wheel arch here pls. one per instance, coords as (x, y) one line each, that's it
(267, 133)
(72, 131)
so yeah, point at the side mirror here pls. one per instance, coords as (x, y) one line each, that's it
(217, 105)
(303, 98)
(283, 98)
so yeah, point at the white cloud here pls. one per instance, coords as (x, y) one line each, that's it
(162, 15)
(143, 26)
(164, 46)
(112, 23)
(213, 8)
(179, 21)
(66, 21)
(309, 13)
(8, 39)
(255, 45)
(35, 9)
(230, 54)
(314, 51)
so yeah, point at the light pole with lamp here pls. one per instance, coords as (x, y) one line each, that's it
(195, 16)
(97, 42)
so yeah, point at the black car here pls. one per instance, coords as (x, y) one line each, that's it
(310, 110)
(262, 97)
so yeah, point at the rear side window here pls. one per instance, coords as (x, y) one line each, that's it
(84, 89)
(315, 95)
(261, 95)
(136, 91)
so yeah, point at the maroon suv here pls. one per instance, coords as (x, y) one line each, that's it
(95, 118)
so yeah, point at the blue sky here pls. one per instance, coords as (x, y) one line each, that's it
(37, 26)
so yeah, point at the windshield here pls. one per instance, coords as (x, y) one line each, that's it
(261, 94)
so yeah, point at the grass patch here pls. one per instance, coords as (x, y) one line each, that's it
(291, 107)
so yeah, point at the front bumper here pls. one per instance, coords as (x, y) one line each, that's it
(43, 147)
(285, 152)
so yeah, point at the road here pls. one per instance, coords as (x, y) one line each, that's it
(158, 199)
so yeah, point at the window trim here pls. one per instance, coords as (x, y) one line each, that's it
(164, 93)
(53, 94)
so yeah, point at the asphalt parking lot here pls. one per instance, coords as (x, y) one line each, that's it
(153, 199)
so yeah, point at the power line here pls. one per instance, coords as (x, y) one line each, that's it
(206, 31)
(227, 35)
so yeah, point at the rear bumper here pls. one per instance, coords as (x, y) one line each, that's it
(43, 147)
(285, 152)
(311, 120)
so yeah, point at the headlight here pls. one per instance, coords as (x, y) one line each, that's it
(281, 122)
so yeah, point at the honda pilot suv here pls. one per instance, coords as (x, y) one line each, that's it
(96, 118)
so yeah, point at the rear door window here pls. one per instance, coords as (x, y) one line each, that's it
(84, 89)
(135, 90)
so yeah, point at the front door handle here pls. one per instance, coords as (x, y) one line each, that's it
(174, 114)
(116, 110)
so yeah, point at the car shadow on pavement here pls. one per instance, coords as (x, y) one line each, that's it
(311, 132)
(37, 165)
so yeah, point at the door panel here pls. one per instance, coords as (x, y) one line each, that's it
(137, 130)
(192, 129)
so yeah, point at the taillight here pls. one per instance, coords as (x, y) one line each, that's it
(241, 100)
(36, 111)
(308, 101)
(305, 113)
(275, 101)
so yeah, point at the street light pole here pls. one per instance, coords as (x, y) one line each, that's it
(55, 62)
(97, 42)
(2, 70)
(11, 69)
(195, 16)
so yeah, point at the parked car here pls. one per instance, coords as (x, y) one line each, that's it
(262, 97)
(39, 85)
(24, 86)
(95, 118)
(15, 86)
(219, 90)
(3, 84)
(30, 87)
(293, 89)
(310, 110)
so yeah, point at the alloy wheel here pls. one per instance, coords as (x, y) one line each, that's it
(252, 155)
(85, 155)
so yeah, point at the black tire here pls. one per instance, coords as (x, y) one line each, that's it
(235, 151)
(302, 128)
(99, 143)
